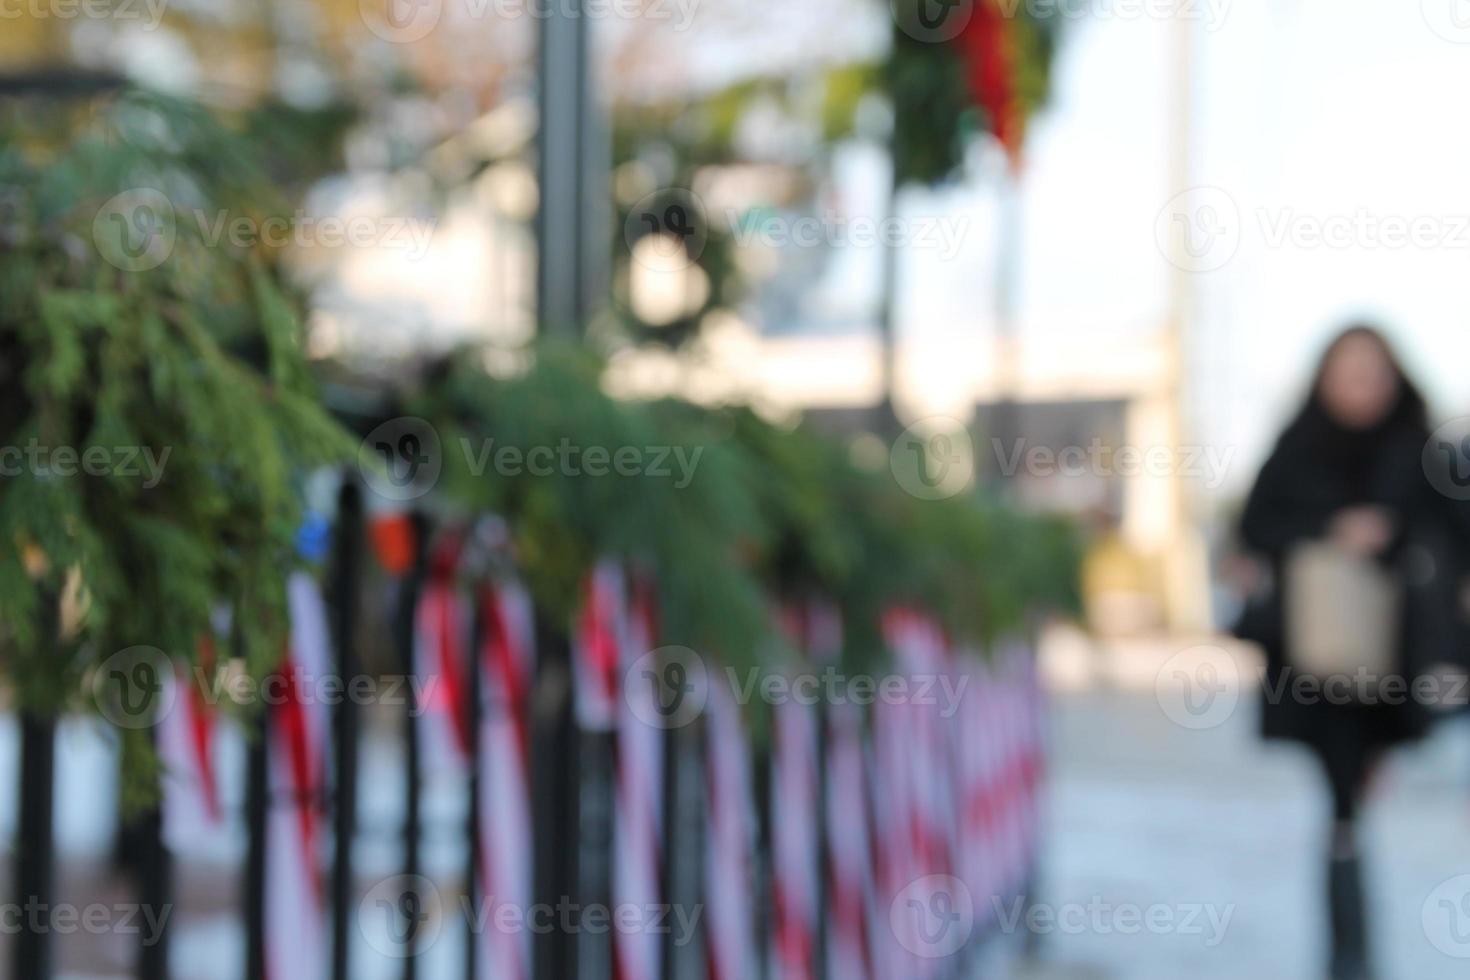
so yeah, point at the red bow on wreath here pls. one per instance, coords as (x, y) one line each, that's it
(988, 47)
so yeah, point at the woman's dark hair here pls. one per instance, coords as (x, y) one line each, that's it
(1410, 410)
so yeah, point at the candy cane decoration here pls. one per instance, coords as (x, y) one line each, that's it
(814, 630)
(919, 771)
(507, 653)
(186, 737)
(849, 859)
(980, 800)
(794, 841)
(729, 894)
(297, 735)
(638, 818)
(1024, 758)
(600, 637)
(441, 638)
(893, 854)
(848, 847)
(919, 649)
(1034, 743)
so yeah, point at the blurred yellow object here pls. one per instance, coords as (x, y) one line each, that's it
(1121, 591)
(28, 40)
(76, 600)
(36, 562)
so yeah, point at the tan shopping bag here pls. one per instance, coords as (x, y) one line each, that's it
(1343, 613)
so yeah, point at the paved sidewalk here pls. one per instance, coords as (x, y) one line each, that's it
(1218, 838)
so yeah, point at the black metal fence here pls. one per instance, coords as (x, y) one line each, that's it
(914, 809)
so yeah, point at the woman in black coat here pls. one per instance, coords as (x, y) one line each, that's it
(1348, 469)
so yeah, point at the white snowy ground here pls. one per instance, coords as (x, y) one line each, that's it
(1180, 823)
(1146, 819)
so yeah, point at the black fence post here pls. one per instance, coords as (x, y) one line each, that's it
(257, 792)
(408, 600)
(35, 847)
(596, 813)
(685, 819)
(346, 568)
(554, 797)
(155, 887)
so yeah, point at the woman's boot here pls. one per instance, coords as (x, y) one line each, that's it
(1348, 920)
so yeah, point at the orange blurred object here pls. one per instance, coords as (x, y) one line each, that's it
(393, 541)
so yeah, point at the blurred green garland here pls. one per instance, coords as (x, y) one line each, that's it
(769, 513)
(199, 354)
(125, 330)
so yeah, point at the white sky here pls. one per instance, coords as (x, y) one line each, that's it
(1308, 114)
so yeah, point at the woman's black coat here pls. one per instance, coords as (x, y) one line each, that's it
(1315, 472)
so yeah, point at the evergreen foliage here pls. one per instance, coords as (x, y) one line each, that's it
(117, 348)
(769, 514)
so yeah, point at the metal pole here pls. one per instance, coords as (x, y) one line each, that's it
(670, 878)
(347, 561)
(885, 418)
(554, 793)
(1006, 418)
(35, 843)
(593, 843)
(155, 884)
(1186, 563)
(256, 802)
(404, 635)
(35, 856)
(686, 819)
(574, 164)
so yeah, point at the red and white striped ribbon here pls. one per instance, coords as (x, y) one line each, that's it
(441, 660)
(894, 856)
(850, 859)
(980, 858)
(507, 652)
(1036, 750)
(638, 817)
(814, 628)
(918, 772)
(297, 737)
(1027, 762)
(729, 892)
(192, 814)
(794, 776)
(601, 633)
